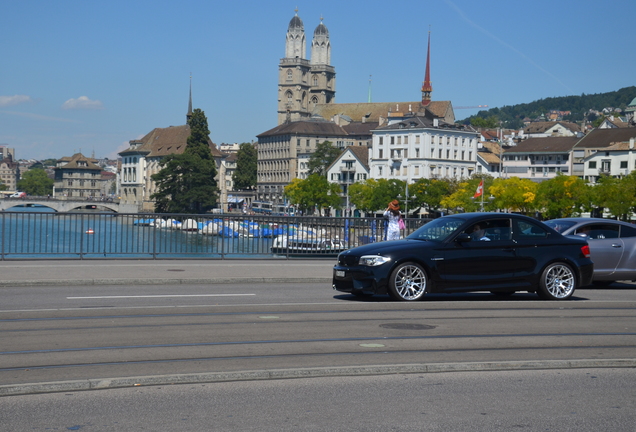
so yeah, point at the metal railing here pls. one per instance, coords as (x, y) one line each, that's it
(39, 235)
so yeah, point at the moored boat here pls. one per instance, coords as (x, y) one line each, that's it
(306, 246)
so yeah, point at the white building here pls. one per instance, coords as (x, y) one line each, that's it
(423, 147)
(539, 159)
(350, 167)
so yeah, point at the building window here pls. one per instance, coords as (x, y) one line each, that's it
(289, 75)
(591, 164)
(623, 164)
(392, 140)
(380, 153)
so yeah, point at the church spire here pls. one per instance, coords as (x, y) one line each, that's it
(189, 114)
(427, 87)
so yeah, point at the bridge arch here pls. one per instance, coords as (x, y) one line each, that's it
(60, 206)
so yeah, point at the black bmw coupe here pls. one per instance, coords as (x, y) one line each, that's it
(497, 252)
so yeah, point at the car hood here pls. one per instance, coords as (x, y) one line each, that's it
(386, 247)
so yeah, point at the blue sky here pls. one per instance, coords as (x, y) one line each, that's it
(90, 76)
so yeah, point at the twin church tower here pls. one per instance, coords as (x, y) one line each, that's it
(302, 82)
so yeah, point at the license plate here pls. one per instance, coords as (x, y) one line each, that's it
(340, 273)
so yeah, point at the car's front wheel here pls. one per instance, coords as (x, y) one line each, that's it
(558, 282)
(408, 282)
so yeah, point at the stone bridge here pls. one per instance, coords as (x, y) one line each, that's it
(67, 205)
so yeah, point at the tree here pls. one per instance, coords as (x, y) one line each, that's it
(430, 192)
(244, 176)
(374, 195)
(514, 194)
(36, 182)
(314, 191)
(491, 122)
(324, 156)
(464, 196)
(616, 195)
(185, 183)
(562, 196)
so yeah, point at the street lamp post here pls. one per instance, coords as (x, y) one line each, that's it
(406, 199)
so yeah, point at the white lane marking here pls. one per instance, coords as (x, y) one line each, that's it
(157, 296)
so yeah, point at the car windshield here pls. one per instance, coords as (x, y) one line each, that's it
(438, 229)
(560, 226)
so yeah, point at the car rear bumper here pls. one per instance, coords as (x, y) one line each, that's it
(586, 274)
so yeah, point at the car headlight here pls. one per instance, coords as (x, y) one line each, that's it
(373, 260)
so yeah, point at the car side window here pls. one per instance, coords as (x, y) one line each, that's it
(529, 231)
(628, 231)
(490, 230)
(599, 231)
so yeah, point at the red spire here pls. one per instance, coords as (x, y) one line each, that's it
(427, 87)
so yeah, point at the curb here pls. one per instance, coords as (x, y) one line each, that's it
(213, 377)
(233, 280)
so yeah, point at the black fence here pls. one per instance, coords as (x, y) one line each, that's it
(40, 235)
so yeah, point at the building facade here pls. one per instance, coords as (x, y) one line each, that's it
(283, 153)
(143, 159)
(423, 147)
(350, 167)
(78, 177)
(604, 152)
(539, 159)
(9, 169)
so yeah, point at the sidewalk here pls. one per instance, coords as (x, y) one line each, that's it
(153, 272)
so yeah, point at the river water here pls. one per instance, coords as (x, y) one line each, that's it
(38, 232)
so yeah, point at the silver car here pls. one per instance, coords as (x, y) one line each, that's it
(612, 245)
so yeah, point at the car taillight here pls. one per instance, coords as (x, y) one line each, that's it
(585, 250)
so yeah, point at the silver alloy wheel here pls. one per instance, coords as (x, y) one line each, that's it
(409, 281)
(559, 281)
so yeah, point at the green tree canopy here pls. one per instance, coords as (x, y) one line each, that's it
(618, 196)
(324, 156)
(244, 176)
(36, 182)
(185, 183)
(514, 194)
(430, 192)
(375, 194)
(562, 196)
(314, 191)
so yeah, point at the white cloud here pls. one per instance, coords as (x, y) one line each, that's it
(14, 100)
(82, 103)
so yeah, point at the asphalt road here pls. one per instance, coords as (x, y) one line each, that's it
(581, 400)
(64, 338)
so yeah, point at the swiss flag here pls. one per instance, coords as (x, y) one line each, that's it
(480, 189)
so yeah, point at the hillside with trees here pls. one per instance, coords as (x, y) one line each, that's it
(511, 117)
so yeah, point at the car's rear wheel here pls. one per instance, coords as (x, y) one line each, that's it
(408, 282)
(558, 282)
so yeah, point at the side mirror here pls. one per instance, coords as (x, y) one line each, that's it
(463, 237)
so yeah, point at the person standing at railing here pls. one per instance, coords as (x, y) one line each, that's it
(392, 214)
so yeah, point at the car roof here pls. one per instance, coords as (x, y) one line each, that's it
(490, 215)
(580, 220)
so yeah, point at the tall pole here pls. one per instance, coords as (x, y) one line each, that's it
(406, 199)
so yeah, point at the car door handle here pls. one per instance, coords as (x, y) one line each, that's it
(616, 245)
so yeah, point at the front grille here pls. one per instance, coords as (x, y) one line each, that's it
(348, 260)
